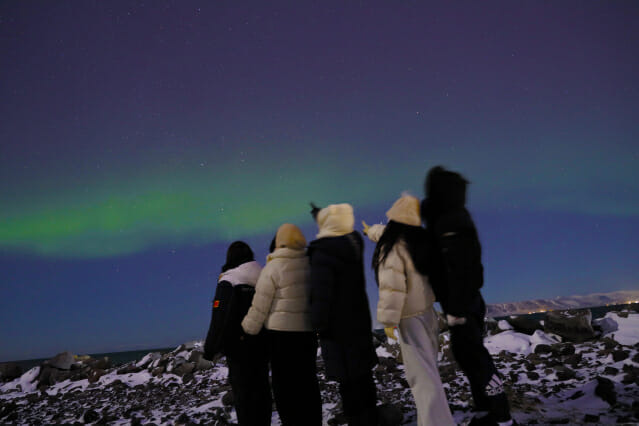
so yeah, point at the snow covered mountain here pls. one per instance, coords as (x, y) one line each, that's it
(561, 303)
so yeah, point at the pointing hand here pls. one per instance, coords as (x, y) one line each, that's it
(366, 227)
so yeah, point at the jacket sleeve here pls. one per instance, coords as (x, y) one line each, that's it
(322, 290)
(219, 320)
(261, 305)
(462, 262)
(375, 232)
(392, 289)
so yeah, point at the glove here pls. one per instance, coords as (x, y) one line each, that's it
(390, 332)
(453, 321)
(366, 227)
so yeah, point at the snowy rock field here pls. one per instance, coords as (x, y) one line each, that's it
(575, 373)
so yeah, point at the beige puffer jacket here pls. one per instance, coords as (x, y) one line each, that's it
(403, 291)
(281, 300)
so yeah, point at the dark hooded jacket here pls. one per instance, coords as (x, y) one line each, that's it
(339, 306)
(455, 269)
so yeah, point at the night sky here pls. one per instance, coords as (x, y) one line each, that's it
(138, 139)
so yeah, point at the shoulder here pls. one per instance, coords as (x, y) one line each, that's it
(454, 221)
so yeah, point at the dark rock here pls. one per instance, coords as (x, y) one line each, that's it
(183, 369)
(47, 376)
(573, 325)
(389, 415)
(606, 390)
(129, 368)
(90, 416)
(61, 361)
(563, 349)
(543, 349)
(339, 419)
(636, 358)
(532, 375)
(574, 360)
(103, 363)
(620, 355)
(10, 371)
(388, 363)
(565, 373)
(7, 409)
(611, 371)
(609, 343)
(492, 326)
(157, 371)
(524, 324)
(591, 418)
(228, 399)
(577, 395)
(94, 375)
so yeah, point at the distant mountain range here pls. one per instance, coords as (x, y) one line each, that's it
(562, 303)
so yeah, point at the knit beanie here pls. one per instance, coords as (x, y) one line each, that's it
(406, 211)
(289, 235)
(335, 220)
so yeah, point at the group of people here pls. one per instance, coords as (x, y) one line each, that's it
(274, 316)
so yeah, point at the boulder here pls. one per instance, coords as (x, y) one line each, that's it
(605, 325)
(606, 390)
(565, 373)
(573, 325)
(184, 368)
(620, 355)
(62, 361)
(9, 371)
(524, 324)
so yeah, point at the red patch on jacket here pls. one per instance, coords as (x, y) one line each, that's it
(216, 303)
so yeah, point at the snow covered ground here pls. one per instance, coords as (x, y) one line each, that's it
(548, 381)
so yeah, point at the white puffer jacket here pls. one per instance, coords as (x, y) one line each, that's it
(281, 300)
(403, 291)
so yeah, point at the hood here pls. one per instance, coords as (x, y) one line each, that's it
(289, 235)
(335, 220)
(246, 273)
(347, 248)
(406, 211)
(445, 191)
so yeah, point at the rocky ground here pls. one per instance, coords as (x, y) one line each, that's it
(565, 370)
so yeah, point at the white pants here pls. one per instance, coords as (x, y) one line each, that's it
(418, 339)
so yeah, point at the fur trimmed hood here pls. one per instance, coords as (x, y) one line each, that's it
(246, 273)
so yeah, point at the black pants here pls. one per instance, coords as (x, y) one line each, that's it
(359, 399)
(467, 344)
(294, 376)
(248, 374)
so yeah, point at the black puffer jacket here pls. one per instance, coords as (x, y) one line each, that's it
(339, 305)
(455, 268)
(233, 297)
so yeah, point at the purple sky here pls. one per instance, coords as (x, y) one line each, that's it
(139, 139)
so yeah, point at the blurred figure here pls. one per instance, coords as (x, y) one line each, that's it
(456, 273)
(341, 313)
(406, 301)
(246, 356)
(281, 305)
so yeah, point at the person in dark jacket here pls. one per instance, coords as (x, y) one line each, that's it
(340, 312)
(246, 356)
(456, 274)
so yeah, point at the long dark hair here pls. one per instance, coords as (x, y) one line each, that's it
(415, 238)
(238, 253)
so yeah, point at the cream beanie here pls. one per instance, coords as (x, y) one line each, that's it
(406, 211)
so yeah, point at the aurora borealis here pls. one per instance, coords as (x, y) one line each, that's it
(139, 139)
